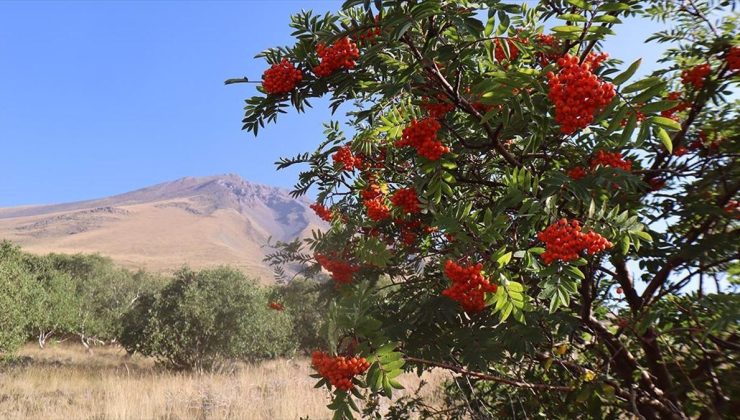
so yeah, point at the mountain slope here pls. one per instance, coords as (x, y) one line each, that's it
(195, 221)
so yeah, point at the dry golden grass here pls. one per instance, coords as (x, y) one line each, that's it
(64, 382)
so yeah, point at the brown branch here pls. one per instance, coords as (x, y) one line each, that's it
(677, 259)
(462, 103)
(624, 278)
(487, 377)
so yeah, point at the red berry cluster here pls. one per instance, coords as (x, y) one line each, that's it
(701, 142)
(373, 190)
(680, 107)
(680, 151)
(639, 116)
(550, 45)
(577, 93)
(499, 51)
(407, 200)
(576, 173)
(696, 76)
(321, 211)
(377, 210)
(437, 109)
(344, 156)
(339, 370)
(422, 136)
(468, 286)
(564, 241)
(409, 230)
(656, 183)
(281, 78)
(341, 271)
(611, 159)
(733, 208)
(371, 34)
(276, 306)
(342, 54)
(733, 58)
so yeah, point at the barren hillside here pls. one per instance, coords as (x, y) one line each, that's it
(194, 221)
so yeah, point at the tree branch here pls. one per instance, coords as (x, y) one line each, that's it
(487, 377)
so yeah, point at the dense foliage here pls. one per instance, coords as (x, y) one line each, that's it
(201, 319)
(516, 206)
(64, 295)
(193, 320)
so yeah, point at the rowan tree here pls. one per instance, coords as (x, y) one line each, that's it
(509, 202)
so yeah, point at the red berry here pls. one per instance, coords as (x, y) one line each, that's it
(499, 53)
(341, 271)
(341, 55)
(682, 106)
(468, 286)
(733, 58)
(680, 151)
(696, 76)
(437, 109)
(619, 290)
(370, 36)
(321, 211)
(377, 210)
(345, 157)
(407, 200)
(577, 93)
(339, 370)
(576, 173)
(281, 78)
(611, 159)
(276, 306)
(564, 241)
(422, 136)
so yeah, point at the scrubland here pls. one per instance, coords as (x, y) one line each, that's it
(63, 381)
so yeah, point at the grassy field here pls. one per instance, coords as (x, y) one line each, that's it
(64, 382)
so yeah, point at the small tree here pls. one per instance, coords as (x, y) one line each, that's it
(57, 305)
(201, 319)
(305, 301)
(17, 299)
(104, 292)
(516, 207)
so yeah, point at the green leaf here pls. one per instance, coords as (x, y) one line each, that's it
(575, 272)
(567, 29)
(607, 19)
(581, 4)
(658, 106)
(642, 84)
(644, 236)
(504, 259)
(665, 123)
(665, 139)
(573, 17)
(625, 75)
(515, 287)
(395, 384)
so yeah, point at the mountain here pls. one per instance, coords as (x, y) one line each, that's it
(195, 221)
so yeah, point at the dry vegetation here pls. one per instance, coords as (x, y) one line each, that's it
(64, 382)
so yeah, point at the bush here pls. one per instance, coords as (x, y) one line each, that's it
(16, 299)
(201, 319)
(305, 302)
(104, 292)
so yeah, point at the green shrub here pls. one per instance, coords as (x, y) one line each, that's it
(306, 302)
(201, 319)
(16, 299)
(104, 291)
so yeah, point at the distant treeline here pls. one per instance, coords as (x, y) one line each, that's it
(187, 320)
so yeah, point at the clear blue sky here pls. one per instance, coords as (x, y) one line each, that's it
(99, 98)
